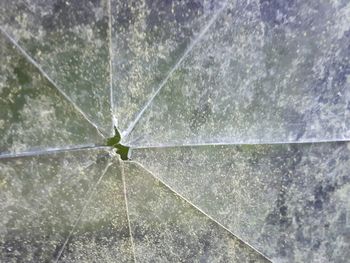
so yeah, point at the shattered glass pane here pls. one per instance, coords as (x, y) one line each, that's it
(149, 38)
(56, 205)
(290, 201)
(165, 228)
(33, 115)
(69, 41)
(237, 114)
(265, 72)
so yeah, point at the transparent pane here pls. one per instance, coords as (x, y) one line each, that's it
(33, 115)
(166, 228)
(69, 41)
(274, 71)
(102, 234)
(62, 200)
(148, 40)
(291, 201)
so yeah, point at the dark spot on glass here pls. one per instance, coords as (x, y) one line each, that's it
(318, 205)
(322, 194)
(317, 245)
(122, 150)
(283, 210)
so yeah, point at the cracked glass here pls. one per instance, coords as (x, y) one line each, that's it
(174, 131)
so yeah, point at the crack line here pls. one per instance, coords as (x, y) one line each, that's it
(201, 211)
(38, 67)
(111, 92)
(87, 202)
(127, 211)
(53, 151)
(233, 144)
(173, 69)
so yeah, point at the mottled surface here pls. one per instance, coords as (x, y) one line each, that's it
(175, 73)
(291, 202)
(33, 114)
(166, 228)
(148, 38)
(102, 234)
(69, 41)
(266, 71)
(52, 199)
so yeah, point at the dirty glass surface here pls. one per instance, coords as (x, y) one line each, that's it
(68, 41)
(265, 72)
(148, 39)
(58, 206)
(33, 115)
(290, 201)
(233, 115)
(162, 223)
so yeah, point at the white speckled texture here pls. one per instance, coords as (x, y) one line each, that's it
(166, 228)
(266, 71)
(33, 115)
(62, 205)
(237, 114)
(291, 202)
(69, 41)
(148, 39)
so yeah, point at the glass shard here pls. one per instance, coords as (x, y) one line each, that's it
(289, 201)
(33, 115)
(268, 72)
(44, 204)
(149, 38)
(41, 198)
(69, 41)
(166, 228)
(102, 234)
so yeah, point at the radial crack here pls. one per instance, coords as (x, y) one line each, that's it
(52, 151)
(110, 61)
(201, 211)
(90, 194)
(174, 145)
(173, 69)
(38, 67)
(127, 212)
